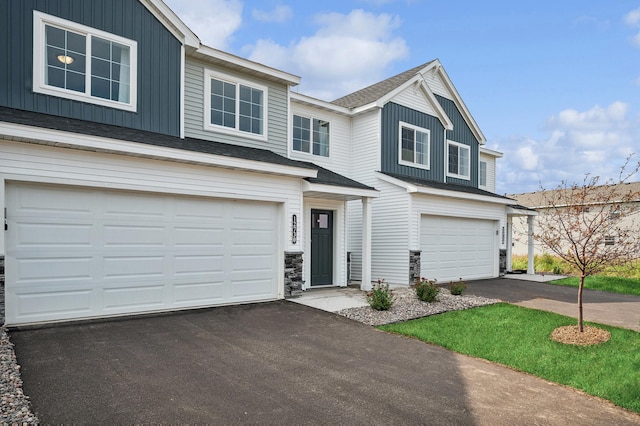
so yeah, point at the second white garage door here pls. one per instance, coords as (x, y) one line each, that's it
(83, 253)
(454, 248)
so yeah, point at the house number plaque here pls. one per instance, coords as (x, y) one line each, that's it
(294, 229)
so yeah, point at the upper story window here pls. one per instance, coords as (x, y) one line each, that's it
(311, 135)
(414, 146)
(84, 64)
(236, 106)
(459, 164)
(482, 179)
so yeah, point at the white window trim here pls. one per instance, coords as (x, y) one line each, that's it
(39, 21)
(208, 75)
(486, 174)
(463, 146)
(414, 164)
(310, 152)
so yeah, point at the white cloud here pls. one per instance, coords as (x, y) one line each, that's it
(281, 13)
(596, 141)
(633, 17)
(346, 53)
(213, 21)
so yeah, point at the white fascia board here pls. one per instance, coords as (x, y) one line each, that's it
(460, 104)
(339, 190)
(442, 115)
(317, 103)
(60, 138)
(220, 56)
(491, 152)
(520, 212)
(415, 189)
(426, 91)
(172, 22)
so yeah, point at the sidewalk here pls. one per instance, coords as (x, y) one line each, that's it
(530, 291)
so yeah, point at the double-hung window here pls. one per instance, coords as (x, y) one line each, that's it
(82, 63)
(459, 164)
(311, 135)
(414, 146)
(234, 105)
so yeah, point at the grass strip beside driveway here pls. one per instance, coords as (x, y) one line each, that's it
(519, 338)
(604, 283)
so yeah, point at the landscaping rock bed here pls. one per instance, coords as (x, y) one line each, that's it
(407, 306)
(15, 407)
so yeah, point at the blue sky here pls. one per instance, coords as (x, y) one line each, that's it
(554, 85)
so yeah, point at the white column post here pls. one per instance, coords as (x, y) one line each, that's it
(509, 243)
(530, 250)
(365, 285)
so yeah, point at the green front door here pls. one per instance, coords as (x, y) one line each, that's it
(321, 247)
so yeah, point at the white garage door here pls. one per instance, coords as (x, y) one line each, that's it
(454, 248)
(83, 253)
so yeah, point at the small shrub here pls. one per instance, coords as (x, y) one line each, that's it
(457, 288)
(380, 297)
(426, 290)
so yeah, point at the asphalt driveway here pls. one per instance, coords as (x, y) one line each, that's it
(620, 310)
(278, 363)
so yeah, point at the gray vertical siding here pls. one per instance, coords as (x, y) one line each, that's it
(158, 80)
(392, 115)
(461, 133)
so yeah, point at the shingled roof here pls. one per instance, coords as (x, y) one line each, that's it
(540, 199)
(445, 186)
(376, 91)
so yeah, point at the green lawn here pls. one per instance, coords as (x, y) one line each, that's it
(519, 338)
(604, 283)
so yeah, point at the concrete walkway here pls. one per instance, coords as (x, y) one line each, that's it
(521, 289)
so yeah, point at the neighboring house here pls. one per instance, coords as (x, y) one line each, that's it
(141, 171)
(591, 207)
(413, 139)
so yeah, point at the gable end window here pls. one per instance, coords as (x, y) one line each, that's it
(311, 135)
(414, 146)
(459, 160)
(234, 106)
(84, 64)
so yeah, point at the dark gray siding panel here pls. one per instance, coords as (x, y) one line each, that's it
(461, 133)
(392, 115)
(158, 62)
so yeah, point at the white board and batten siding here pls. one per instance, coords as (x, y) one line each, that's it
(94, 235)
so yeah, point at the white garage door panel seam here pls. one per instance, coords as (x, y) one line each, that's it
(454, 248)
(124, 252)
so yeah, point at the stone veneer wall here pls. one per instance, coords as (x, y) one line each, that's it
(414, 265)
(293, 274)
(1, 289)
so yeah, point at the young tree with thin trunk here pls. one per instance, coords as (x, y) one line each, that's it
(592, 226)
